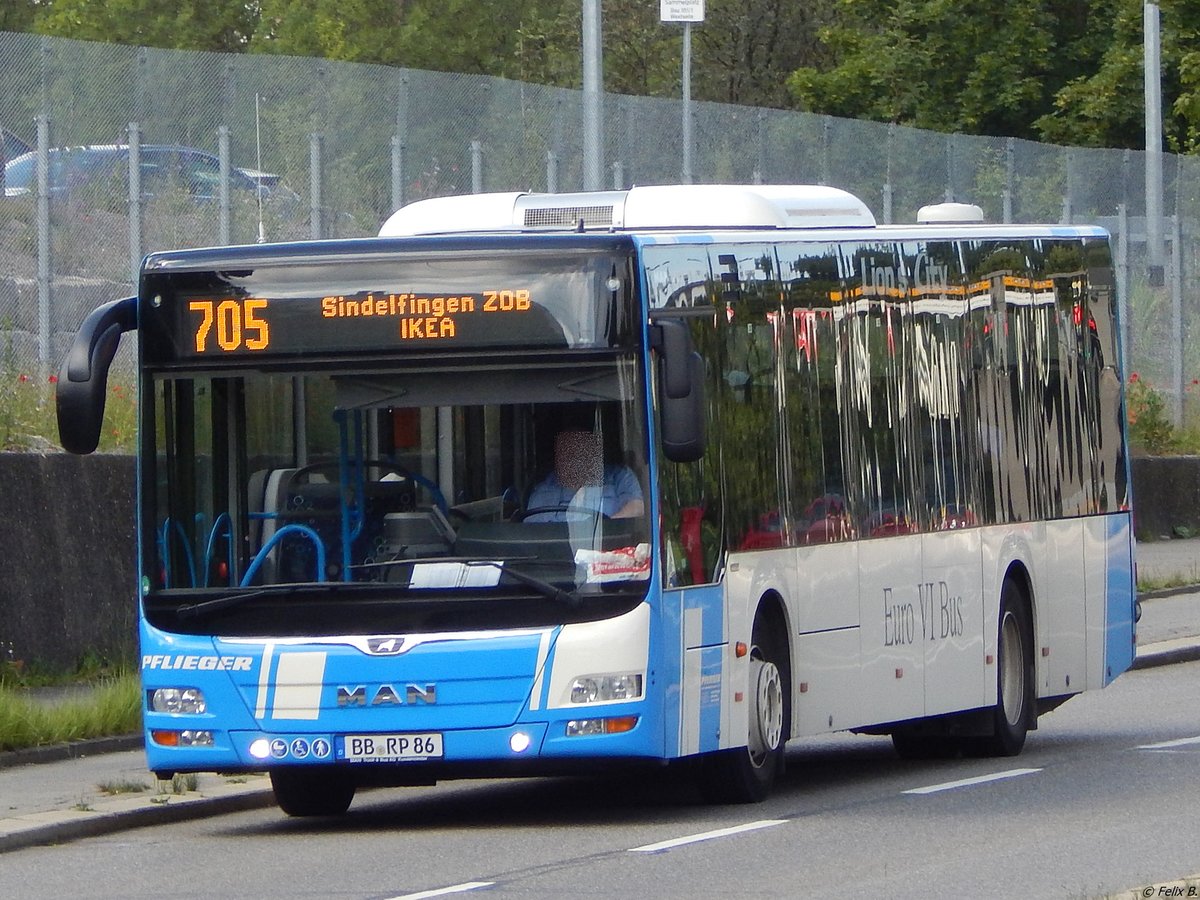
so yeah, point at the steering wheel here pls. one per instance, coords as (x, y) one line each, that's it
(522, 514)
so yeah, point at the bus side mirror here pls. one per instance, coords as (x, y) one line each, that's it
(83, 378)
(681, 392)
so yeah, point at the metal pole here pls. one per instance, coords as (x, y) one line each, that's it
(476, 167)
(593, 78)
(551, 171)
(687, 102)
(1152, 76)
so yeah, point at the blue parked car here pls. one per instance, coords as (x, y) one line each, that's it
(13, 145)
(164, 169)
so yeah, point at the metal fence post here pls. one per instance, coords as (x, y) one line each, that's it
(826, 127)
(1010, 158)
(1177, 333)
(949, 195)
(618, 176)
(398, 146)
(397, 172)
(135, 202)
(223, 230)
(476, 167)
(43, 241)
(888, 189)
(1124, 310)
(1067, 209)
(314, 180)
(551, 171)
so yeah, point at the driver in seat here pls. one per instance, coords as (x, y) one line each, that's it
(582, 481)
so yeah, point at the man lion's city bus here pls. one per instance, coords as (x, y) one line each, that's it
(824, 475)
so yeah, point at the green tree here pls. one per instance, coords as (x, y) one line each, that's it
(949, 65)
(1103, 105)
(18, 15)
(225, 25)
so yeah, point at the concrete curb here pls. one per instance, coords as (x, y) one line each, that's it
(1165, 653)
(73, 750)
(122, 813)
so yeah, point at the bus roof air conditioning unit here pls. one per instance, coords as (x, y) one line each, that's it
(697, 206)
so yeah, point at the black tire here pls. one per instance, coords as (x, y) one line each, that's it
(1015, 704)
(747, 774)
(313, 791)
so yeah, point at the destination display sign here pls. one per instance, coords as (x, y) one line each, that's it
(403, 306)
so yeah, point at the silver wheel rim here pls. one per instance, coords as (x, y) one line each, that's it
(766, 717)
(1012, 670)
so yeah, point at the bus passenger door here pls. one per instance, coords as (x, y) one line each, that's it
(951, 622)
(893, 651)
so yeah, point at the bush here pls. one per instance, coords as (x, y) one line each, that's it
(1150, 431)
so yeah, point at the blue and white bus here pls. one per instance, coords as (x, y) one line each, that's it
(538, 483)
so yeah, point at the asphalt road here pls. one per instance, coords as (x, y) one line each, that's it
(1102, 803)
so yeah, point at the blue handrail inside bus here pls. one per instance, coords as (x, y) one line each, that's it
(170, 525)
(275, 539)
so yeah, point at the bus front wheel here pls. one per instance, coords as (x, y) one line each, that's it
(747, 774)
(312, 790)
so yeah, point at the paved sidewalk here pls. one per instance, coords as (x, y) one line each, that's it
(61, 793)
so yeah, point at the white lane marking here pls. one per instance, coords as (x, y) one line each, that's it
(707, 836)
(442, 892)
(1167, 745)
(968, 782)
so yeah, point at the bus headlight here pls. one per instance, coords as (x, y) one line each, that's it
(606, 688)
(178, 701)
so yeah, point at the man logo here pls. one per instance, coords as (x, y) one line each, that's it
(385, 646)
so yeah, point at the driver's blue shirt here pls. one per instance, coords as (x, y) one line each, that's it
(619, 488)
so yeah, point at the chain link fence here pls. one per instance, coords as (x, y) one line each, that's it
(206, 148)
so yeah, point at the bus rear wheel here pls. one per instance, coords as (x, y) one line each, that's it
(747, 774)
(1013, 713)
(312, 791)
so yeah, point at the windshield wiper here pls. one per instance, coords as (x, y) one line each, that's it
(204, 607)
(227, 601)
(545, 588)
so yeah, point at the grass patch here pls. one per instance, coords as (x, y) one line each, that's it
(179, 784)
(113, 707)
(1162, 583)
(122, 786)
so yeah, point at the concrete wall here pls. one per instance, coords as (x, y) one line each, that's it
(67, 548)
(67, 558)
(1166, 496)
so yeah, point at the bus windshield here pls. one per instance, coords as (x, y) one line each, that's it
(519, 486)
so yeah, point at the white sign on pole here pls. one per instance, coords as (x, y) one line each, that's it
(681, 10)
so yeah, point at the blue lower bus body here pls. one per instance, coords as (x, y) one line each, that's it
(469, 698)
(501, 702)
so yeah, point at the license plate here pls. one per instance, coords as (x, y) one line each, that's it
(390, 747)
